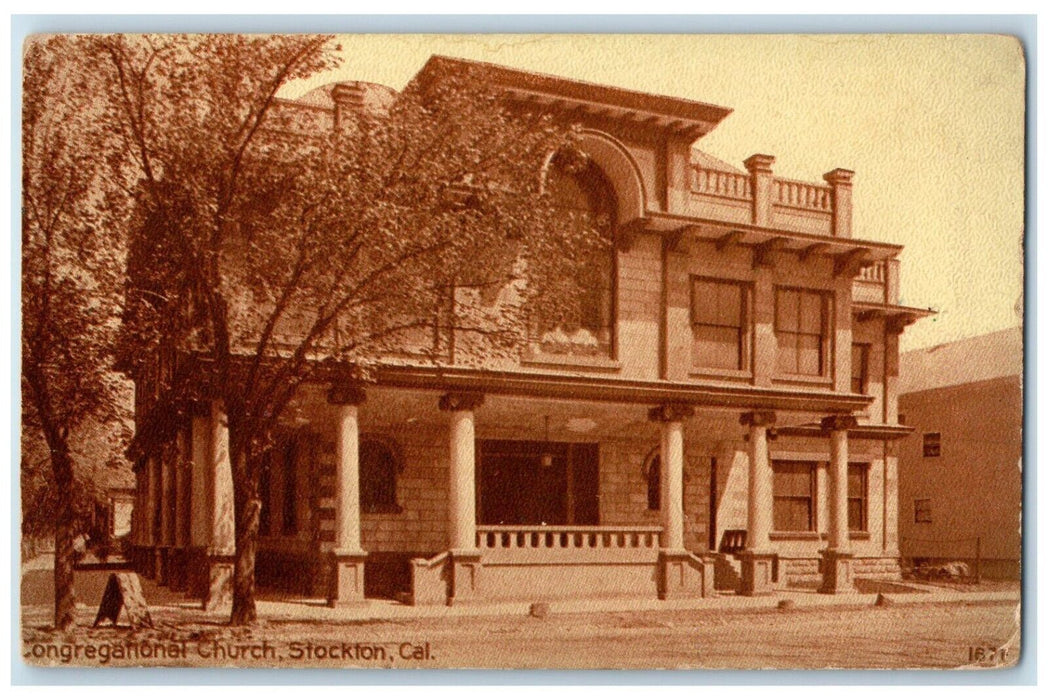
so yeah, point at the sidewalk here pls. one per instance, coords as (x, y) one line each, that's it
(37, 591)
(378, 610)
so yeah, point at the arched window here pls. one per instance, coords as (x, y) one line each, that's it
(653, 476)
(585, 198)
(379, 465)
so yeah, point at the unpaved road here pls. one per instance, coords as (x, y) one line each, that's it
(898, 636)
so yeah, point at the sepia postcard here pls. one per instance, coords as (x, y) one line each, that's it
(522, 351)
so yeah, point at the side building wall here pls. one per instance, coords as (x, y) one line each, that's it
(973, 487)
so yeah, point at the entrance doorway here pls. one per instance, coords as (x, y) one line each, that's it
(537, 483)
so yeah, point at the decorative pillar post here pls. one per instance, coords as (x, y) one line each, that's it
(681, 574)
(347, 581)
(462, 516)
(840, 182)
(837, 558)
(761, 184)
(758, 559)
(222, 546)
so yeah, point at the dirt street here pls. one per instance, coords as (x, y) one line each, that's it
(900, 636)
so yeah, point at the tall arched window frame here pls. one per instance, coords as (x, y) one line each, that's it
(583, 194)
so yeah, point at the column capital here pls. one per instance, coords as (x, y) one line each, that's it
(671, 412)
(461, 401)
(839, 176)
(759, 163)
(346, 395)
(758, 419)
(839, 422)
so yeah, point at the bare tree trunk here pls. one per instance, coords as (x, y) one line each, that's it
(65, 534)
(247, 506)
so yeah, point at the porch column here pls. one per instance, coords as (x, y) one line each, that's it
(837, 558)
(758, 559)
(347, 582)
(681, 574)
(462, 517)
(671, 477)
(222, 546)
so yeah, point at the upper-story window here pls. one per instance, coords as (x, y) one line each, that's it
(801, 331)
(719, 324)
(585, 198)
(932, 445)
(860, 368)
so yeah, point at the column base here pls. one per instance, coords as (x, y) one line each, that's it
(757, 578)
(219, 579)
(465, 576)
(684, 575)
(347, 579)
(837, 572)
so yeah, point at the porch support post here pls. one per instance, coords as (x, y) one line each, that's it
(347, 581)
(757, 559)
(462, 517)
(681, 574)
(837, 558)
(671, 479)
(222, 547)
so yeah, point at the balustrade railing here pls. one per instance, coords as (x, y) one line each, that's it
(803, 195)
(875, 272)
(721, 184)
(567, 537)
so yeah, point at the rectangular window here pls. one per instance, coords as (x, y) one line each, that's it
(801, 322)
(793, 490)
(922, 510)
(860, 367)
(932, 444)
(718, 321)
(857, 485)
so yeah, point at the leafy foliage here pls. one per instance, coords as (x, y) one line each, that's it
(72, 276)
(273, 243)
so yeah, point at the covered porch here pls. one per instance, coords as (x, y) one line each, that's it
(507, 494)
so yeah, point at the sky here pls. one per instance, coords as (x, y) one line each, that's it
(932, 125)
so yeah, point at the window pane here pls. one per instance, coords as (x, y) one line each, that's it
(729, 304)
(859, 362)
(716, 347)
(809, 355)
(704, 302)
(792, 515)
(856, 481)
(855, 514)
(792, 478)
(811, 312)
(786, 353)
(787, 303)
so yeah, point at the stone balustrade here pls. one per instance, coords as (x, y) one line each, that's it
(803, 195)
(721, 184)
(545, 543)
(876, 273)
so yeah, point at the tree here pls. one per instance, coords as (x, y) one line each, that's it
(273, 252)
(72, 271)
